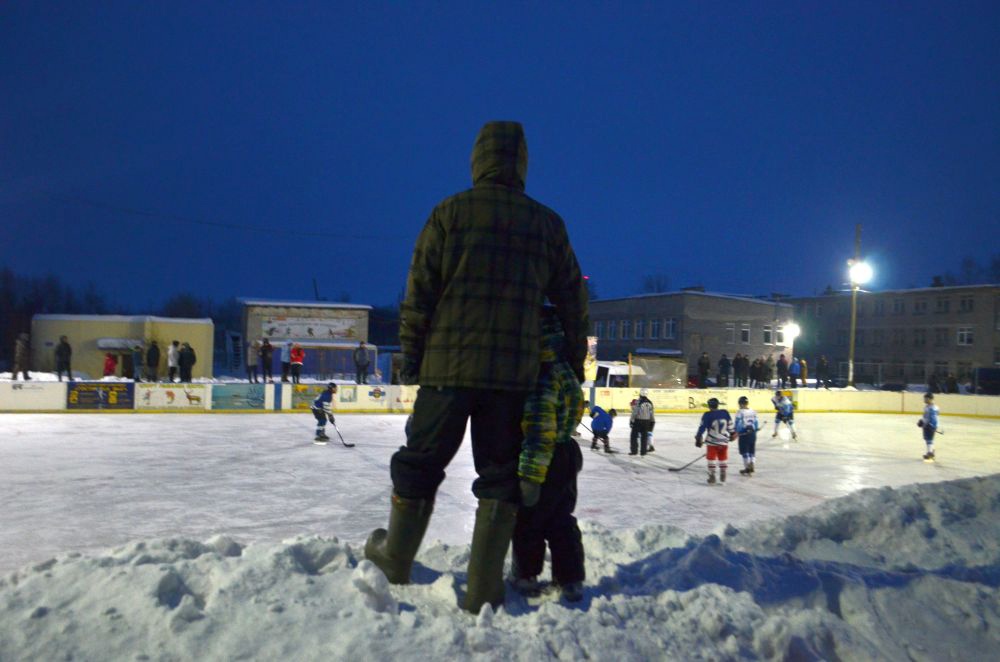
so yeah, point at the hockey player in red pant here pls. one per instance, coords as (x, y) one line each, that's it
(716, 430)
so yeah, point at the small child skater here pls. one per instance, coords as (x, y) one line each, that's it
(601, 424)
(784, 412)
(747, 427)
(929, 424)
(322, 409)
(549, 462)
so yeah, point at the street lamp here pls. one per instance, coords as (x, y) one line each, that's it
(791, 332)
(860, 273)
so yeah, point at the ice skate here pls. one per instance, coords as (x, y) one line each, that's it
(753, 468)
(722, 476)
(746, 471)
(711, 479)
(929, 456)
(321, 439)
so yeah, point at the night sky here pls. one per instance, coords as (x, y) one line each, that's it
(243, 149)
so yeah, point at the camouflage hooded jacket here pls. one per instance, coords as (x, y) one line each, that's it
(553, 409)
(482, 267)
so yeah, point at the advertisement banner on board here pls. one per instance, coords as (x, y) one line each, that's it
(32, 395)
(238, 396)
(171, 396)
(304, 394)
(100, 395)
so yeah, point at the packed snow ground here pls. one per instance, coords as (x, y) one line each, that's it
(232, 536)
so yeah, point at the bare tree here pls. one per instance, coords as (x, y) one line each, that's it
(655, 283)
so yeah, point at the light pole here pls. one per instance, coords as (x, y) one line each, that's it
(860, 273)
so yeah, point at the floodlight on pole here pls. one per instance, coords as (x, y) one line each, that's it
(791, 331)
(859, 272)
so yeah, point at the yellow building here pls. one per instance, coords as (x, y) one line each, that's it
(93, 336)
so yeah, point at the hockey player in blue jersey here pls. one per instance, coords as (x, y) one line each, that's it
(784, 413)
(747, 427)
(322, 409)
(600, 424)
(929, 424)
(716, 430)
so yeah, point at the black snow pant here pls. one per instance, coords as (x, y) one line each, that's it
(252, 373)
(638, 440)
(284, 371)
(437, 428)
(61, 367)
(361, 374)
(551, 520)
(296, 372)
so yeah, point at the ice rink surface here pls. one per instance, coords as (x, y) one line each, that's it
(86, 482)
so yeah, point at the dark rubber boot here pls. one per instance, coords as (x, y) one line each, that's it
(393, 550)
(494, 527)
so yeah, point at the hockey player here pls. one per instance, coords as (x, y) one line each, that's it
(929, 424)
(642, 422)
(601, 423)
(549, 462)
(784, 413)
(717, 431)
(322, 409)
(747, 427)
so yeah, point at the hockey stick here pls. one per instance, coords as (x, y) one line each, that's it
(686, 465)
(340, 435)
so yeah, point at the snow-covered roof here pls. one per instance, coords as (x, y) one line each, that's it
(911, 290)
(247, 301)
(649, 351)
(718, 295)
(124, 318)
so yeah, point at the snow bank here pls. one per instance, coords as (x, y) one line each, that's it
(910, 573)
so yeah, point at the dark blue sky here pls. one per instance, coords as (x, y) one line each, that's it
(260, 145)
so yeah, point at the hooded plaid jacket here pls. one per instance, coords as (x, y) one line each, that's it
(482, 267)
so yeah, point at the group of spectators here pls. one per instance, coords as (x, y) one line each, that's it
(145, 361)
(293, 356)
(742, 372)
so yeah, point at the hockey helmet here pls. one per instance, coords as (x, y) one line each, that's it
(928, 396)
(744, 400)
(332, 385)
(713, 403)
(643, 392)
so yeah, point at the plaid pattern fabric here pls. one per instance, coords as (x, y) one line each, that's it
(482, 267)
(551, 412)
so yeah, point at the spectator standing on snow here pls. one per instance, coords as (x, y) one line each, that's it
(110, 364)
(600, 424)
(138, 358)
(794, 372)
(549, 462)
(716, 430)
(185, 361)
(361, 363)
(768, 373)
(153, 361)
(173, 358)
(22, 356)
(253, 355)
(822, 372)
(286, 360)
(64, 354)
(298, 356)
(724, 366)
(782, 366)
(469, 329)
(704, 365)
(266, 361)
(804, 370)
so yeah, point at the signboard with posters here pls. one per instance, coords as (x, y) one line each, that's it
(309, 329)
(32, 395)
(100, 395)
(171, 396)
(238, 396)
(304, 394)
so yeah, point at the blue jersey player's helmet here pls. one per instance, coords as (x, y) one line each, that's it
(713, 403)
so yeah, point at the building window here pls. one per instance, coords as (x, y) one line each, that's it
(898, 337)
(964, 369)
(640, 329)
(898, 307)
(599, 329)
(626, 327)
(919, 372)
(920, 307)
(842, 337)
(940, 337)
(895, 369)
(768, 339)
(745, 334)
(919, 337)
(941, 306)
(878, 337)
(878, 307)
(612, 327)
(819, 309)
(965, 336)
(965, 305)
(779, 336)
(669, 328)
(730, 333)
(654, 329)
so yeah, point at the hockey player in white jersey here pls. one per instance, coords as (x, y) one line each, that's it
(716, 430)
(784, 413)
(747, 427)
(929, 424)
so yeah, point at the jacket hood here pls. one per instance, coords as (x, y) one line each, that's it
(500, 155)
(553, 338)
